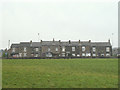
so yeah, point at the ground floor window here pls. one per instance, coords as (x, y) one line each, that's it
(25, 54)
(78, 55)
(73, 55)
(94, 55)
(83, 54)
(63, 54)
(107, 54)
(36, 55)
(102, 54)
(88, 54)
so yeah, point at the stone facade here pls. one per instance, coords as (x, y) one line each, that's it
(57, 49)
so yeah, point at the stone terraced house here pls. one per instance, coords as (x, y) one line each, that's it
(60, 49)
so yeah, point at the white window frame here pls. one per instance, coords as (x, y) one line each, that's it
(83, 54)
(48, 49)
(107, 49)
(108, 54)
(13, 49)
(36, 55)
(94, 55)
(83, 48)
(94, 49)
(88, 54)
(102, 55)
(25, 49)
(25, 54)
(73, 55)
(63, 54)
(73, 48)
(56, 49)
(78, 55)
(20, 54)
(63, 49)
(36, 49)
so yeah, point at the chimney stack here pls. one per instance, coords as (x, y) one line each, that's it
(79, 41)
(53, 40)
(30, 41)
(41, 41)
(109, 40)
(59, 40)
(69, 41)
(89, 41)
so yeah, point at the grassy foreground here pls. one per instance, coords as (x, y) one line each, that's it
(60, 73)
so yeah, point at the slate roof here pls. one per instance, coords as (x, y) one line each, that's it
(15, 45)
(100, 44)
(46, 43)
(63, 43)
(35, 44)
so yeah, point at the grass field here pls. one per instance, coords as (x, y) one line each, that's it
(60, 73)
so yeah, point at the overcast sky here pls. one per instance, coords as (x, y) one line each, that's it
(69, 20)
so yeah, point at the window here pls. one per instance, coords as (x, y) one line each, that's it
(20, 54)
(88, 54)
(78, 55)
(83, 54)
(83, 48)
(94, 55)
(48, 49)
(63, 49)
(56, 49)
(63, 54)
(102, 54)
(107, 54)
(73, 55)
(107, 49)
(94, 49)
(36, 55)
(48, 54)
(13, 49)
(25, 49)
(73, 48)
(25, 54)
(36, 49)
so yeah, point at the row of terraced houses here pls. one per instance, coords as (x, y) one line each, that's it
(57, 49)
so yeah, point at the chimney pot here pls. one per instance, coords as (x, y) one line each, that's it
(69, 41)
(89, 41)
(53, 40)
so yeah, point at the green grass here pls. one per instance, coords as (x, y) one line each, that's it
(60, 73)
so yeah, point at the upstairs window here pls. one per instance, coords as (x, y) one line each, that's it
(107, 49)
(83, 48)
(48, 49)
(94, 49)
(13, 49)
(36, 49)
(63, 49)
(25, 49)
(56, 49)
(73, 48)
